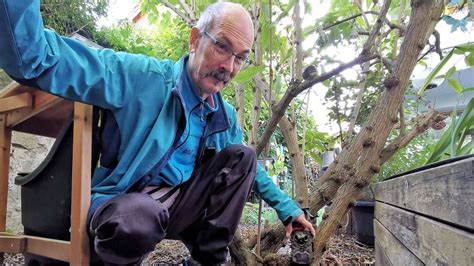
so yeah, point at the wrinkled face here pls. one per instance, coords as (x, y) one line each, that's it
(216, 56)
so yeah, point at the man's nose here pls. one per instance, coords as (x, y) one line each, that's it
(228, 65)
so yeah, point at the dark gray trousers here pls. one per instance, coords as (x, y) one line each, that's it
(204, 216)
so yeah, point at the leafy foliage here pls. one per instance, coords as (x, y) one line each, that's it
(74, 16)
(465, 49)
(250, 214)
(455, 140)
(412, 156)
(168, 38)
(126, 38)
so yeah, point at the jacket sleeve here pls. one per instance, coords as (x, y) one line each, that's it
(285, 207)
(62, 66)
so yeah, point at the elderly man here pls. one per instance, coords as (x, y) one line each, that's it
(155, 179)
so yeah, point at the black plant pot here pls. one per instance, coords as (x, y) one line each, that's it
(363, 216)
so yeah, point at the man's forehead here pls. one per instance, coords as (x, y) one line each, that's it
(239, 36)
(242, 49)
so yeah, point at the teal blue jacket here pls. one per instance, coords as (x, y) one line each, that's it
(143, 94)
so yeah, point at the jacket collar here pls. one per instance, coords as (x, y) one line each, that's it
(217, 121)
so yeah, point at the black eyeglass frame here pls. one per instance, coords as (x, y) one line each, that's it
(245, 60)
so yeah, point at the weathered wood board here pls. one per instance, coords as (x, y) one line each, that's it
(389, 251)
(445, 192)
(432, 242)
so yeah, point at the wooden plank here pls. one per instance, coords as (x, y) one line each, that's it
(81, 183)
(51, 248)
(431, 241)
(381, 257)
(5, 143)
(445, 192)
(41, 102)
(389, 251)
(12, 244)
(48, 122)
(16, 102)
(5, 146)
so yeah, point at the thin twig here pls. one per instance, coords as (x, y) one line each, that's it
(376, 28)
(347, 19)
(362, 12)
(178, 12)
(188, 10)
(358, 104)
(402, 120)
(422, 124)
(438, 44)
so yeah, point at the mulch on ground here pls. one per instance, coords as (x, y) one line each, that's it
(342, 250)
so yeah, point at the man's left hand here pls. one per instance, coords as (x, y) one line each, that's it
(305, 223)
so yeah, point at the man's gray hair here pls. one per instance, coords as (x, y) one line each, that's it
(208, 17)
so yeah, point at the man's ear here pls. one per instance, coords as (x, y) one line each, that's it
(194, 39)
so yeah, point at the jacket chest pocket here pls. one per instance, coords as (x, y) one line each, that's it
(187, 150)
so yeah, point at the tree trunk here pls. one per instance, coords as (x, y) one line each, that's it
(240, 100)
(355, 166)
(257, 94)
(297, 162)
(240, 252)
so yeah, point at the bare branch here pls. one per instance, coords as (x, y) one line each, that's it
(295, 88)
(348, 19)
(358, 104)
(388, 64)
(178, 12)
(438, 44)
(297, 75)
(362, 12)
(425, 54)
(422, 124)
(402, 120)
(376, 29)
(401, 28)
(188, 10)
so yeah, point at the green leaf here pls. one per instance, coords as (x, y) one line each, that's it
(449, 143)
(455, 85)
(467, 149)
(435, 72)
(441, 146)
(464, 48)
(423, 63)
(265, 36)
(450, 72)
(469, 59)
(248, 73)
(468, 89)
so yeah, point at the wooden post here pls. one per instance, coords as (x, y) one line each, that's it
(81, 183)
(5, 142)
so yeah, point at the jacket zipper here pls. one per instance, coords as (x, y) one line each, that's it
(189, 129)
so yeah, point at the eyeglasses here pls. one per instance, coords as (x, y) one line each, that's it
(224, 52)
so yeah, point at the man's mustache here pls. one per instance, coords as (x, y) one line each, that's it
(219, 75)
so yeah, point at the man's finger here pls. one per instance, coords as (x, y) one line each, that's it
(289, 229)
(311, 228)
(307, 224)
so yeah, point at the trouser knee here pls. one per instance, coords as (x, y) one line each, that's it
(127, 227)
(246, 155)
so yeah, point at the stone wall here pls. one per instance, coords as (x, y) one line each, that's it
(4, 79)
(27, 152)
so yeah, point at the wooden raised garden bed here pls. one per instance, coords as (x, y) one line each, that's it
(426, 216)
